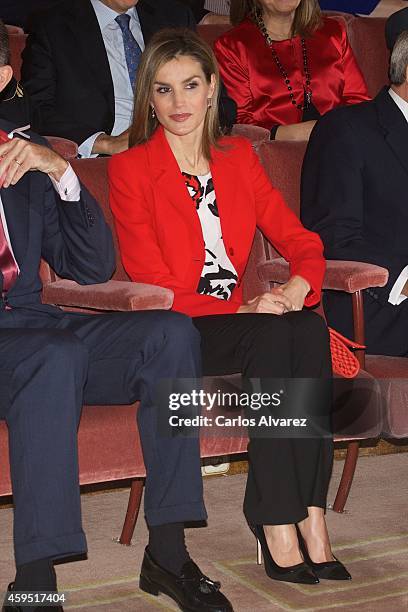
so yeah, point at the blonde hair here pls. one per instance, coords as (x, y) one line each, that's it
(307, 17)
(165, 46)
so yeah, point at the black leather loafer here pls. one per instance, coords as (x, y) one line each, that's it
(192, 590)
(22, 609)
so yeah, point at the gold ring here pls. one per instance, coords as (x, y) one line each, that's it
(17, 162)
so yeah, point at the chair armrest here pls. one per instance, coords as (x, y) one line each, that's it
(113, 295)
(68, 149)
(255, 133)
(348, 276)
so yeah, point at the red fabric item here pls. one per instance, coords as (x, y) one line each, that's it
(344, 362)
(159, 231)
(3, 138)
(253, 80)
(8, 266)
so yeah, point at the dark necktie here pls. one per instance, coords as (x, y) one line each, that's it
(132, 49)
(8, 266)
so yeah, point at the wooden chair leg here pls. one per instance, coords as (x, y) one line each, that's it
(132, 512)
(347, 476)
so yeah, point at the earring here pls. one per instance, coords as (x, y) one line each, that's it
(153, 113)
(209, 102)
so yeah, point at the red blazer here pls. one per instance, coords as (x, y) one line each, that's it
(159, 230)
(253, 80)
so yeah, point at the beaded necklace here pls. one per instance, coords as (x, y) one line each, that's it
(270, 42)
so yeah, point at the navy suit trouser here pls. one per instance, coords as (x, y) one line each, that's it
(50, 364)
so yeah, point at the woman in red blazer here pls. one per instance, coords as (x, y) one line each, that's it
(186, 203)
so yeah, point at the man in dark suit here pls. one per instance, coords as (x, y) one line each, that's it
(354, 194)
(78, 67)
(52, 361)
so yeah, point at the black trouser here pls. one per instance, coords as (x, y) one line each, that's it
(286, 475)
(52, 363)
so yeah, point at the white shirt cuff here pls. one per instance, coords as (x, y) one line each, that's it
(85, 149)
(68, 187)
(395, 298)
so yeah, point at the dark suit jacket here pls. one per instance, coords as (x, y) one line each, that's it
(15, 104)
(354, 194)
(197, 6)
(66, 70)
(72, 237)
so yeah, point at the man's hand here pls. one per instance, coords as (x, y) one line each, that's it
(18, 156)
(109, 145)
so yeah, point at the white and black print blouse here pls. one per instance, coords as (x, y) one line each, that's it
(219, 276)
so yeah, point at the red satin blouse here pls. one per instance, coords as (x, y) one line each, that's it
(253, 80)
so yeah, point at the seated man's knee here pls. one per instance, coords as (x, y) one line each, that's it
(62, 347)
(178, 330)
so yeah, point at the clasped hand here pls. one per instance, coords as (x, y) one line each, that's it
(288, 297)
(18, 156)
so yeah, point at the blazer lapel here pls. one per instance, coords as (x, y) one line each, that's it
(394, 125)
(169, 183)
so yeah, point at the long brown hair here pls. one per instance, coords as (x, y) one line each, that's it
(164, 46)
(307, 17)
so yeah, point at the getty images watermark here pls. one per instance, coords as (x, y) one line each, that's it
(208, 401)
(265, 408)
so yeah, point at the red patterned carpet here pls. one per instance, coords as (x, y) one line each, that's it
(371, 539)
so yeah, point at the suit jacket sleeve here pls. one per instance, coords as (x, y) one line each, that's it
(303, 249)
(141, 253)
(332, 196)
(39, 78)
(77, 243)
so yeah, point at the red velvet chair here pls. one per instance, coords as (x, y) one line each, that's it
(367, 39)
(283, 162)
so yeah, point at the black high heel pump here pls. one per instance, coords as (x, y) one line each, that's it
(327, 570)
(300, 573)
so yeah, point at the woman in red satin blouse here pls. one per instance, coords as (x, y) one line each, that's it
(186, 202)
(285, 65)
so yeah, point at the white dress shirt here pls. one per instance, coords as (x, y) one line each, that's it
(69, 190)
(395, 298)
(123, 93)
